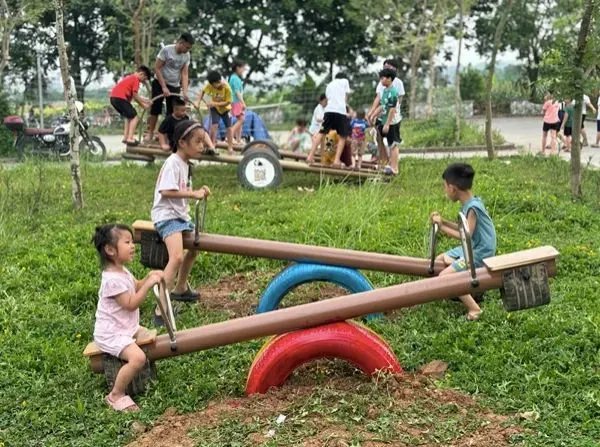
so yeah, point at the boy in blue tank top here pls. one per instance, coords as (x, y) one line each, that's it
(458, 181)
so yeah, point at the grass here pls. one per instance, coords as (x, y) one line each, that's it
(545, 360)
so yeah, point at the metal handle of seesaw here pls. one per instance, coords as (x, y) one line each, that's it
(161, 96)
(199, 221)
(432, 247)
(467, 246)
(167, 314)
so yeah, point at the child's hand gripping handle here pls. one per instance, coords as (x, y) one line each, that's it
(467, 245)
(432, 246)
(166, 310)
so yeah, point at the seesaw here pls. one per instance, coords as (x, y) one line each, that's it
(260, 164)
(318, 330)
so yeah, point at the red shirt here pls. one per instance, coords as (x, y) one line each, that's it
(126, 88)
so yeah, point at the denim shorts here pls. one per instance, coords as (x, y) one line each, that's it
(166, 228)
(459, 264)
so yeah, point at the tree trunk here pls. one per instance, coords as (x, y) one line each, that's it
(7, 27)
(431, 83)
(70, 98)
(412, 95)
(137, 45)
(489, 142)
(457, 97)
(578, 79)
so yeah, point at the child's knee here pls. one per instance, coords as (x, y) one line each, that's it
(137, 360)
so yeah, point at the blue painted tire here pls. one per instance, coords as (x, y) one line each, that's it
(297, 274)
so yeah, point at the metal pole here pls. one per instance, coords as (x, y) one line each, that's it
(40, 91)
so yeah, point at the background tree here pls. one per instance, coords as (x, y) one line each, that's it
(12, 14)
(70, 99)
(322, 34)
(225, 31)
(502, 15)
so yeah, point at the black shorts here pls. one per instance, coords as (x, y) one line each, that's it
(156, 108)
(554, 126)
(582, 120)
(393, 136)
(215, 116)
(123, 108)
(337, 122)
(568, 131)
(597, 125)
(561, 115)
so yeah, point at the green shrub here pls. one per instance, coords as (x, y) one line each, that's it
(6, 137)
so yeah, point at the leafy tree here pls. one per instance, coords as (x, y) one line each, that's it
(226, 30)
(322, 34)
(530, 30)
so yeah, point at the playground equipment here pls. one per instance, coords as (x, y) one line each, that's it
(260, 165)
(319, 329)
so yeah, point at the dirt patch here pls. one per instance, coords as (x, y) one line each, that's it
(238, 295)
(387, 410)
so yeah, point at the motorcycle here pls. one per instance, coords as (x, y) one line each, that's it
(55, 141)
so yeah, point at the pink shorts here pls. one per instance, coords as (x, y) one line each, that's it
(237, 109)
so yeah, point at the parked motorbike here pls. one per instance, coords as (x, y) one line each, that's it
(55, 141)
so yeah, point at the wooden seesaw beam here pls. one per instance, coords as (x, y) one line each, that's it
(236, 159)
(287, 251)
(344, 307)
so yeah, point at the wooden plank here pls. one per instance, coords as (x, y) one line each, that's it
(519, 258)
(285, 164)
(143, 225)
(146, 337)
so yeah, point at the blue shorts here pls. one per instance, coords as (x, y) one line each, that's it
(166, 228)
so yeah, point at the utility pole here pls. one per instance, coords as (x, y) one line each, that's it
(40, 89)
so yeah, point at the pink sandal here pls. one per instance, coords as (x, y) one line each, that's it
(125, 403)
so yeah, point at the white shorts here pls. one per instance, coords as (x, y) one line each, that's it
(113, 344)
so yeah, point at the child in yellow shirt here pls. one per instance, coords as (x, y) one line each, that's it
(219, 106)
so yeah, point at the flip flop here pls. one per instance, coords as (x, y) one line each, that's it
(125, 404)
(133, 143)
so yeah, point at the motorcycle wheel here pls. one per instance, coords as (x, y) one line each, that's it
(92, 149)
(24, 146)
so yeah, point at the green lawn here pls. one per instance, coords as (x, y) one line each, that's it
(545, 360)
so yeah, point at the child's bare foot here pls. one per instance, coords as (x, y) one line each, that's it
(230, 152)
(474, 315)
(121, 403)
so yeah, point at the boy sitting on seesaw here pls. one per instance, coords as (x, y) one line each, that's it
(167, 127)
(458, 181)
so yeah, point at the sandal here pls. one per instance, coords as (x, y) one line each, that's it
(132, 143)
(209, 151)
(125, 404)
(188, 295)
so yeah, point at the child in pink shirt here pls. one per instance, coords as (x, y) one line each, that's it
(118, 315)
(551, 124)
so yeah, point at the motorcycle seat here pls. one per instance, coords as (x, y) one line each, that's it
(32, 131)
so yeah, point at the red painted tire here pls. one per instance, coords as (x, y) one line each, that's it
(346, 340)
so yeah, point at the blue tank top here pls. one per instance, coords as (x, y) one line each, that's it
(484, 237)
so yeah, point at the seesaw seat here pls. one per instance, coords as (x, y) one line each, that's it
(521, 258)
(147, 337)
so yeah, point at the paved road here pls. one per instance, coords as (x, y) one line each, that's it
(527, 132)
